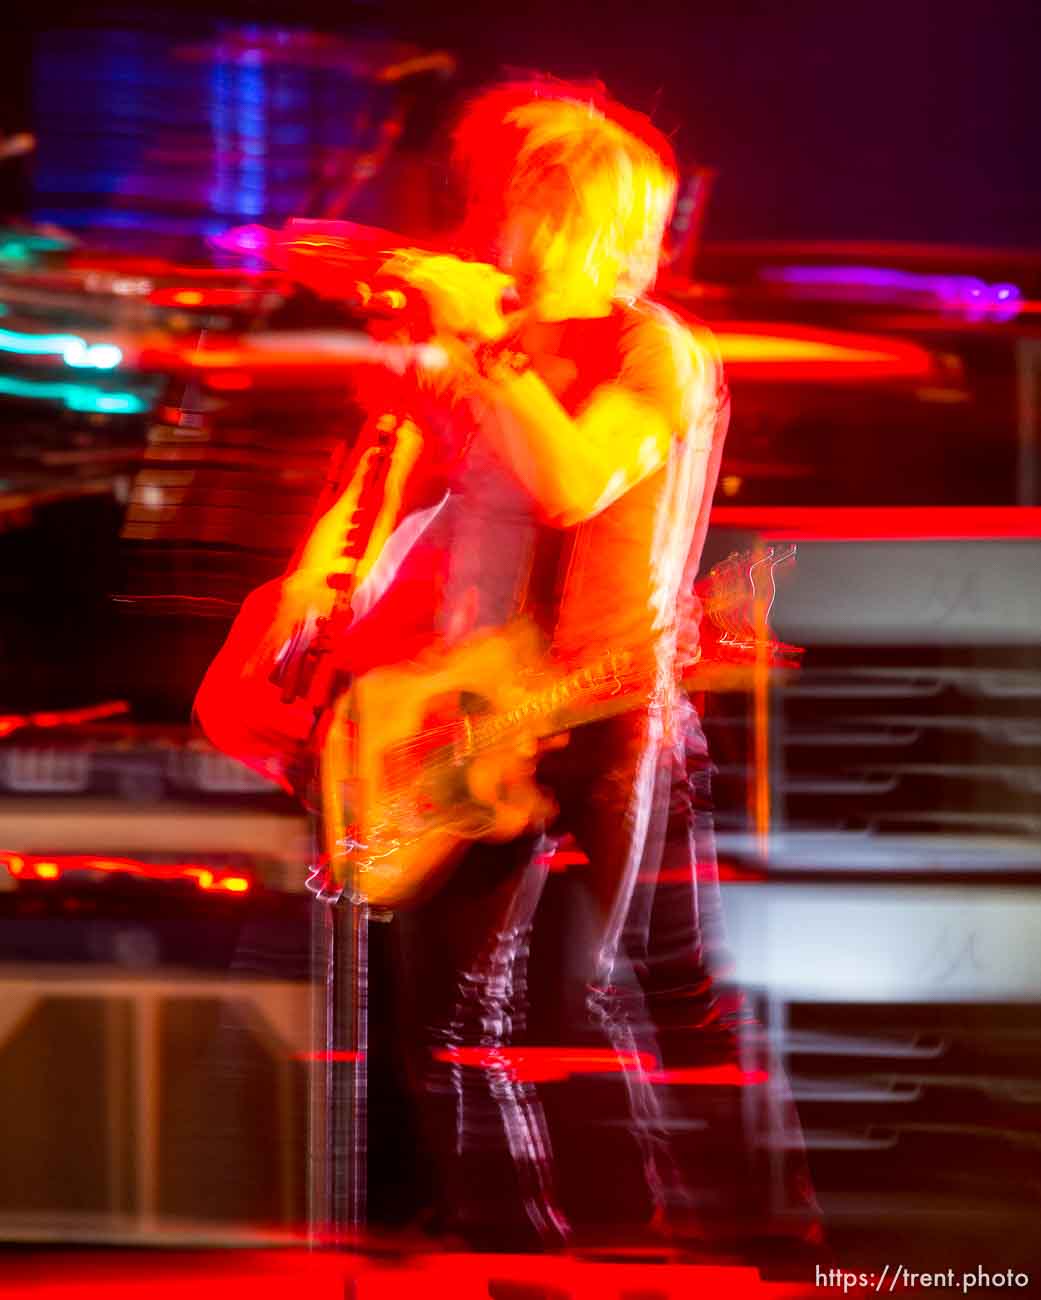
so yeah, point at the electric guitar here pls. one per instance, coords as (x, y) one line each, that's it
(415, 760)
(421, 758)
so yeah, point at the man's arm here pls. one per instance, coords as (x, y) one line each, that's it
(573, 466)
(576, 466)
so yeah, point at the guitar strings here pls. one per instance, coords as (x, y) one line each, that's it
(496, 727)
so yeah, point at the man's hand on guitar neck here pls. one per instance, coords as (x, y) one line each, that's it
(305, 594)
(304, 598)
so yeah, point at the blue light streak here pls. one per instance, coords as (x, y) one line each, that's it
(960, 293)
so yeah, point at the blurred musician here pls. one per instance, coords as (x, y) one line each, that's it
(568, 442)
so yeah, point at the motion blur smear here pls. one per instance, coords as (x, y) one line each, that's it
(169, 404)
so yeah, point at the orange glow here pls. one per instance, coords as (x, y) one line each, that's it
(436, 61)
(769, 351)
(216, 297)
(761, 717)
(30, 867)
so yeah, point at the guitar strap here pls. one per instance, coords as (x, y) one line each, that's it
(551, 558)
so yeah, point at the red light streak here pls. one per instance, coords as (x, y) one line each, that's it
(556, 1064)
(62, 718)
(31, 867)
(711, 1076)
(328, 1056)
(548, 1064)
(884, 524)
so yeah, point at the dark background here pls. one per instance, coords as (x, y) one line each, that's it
(829, 120)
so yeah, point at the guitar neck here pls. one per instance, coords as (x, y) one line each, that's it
(607, 688)
(601, 690)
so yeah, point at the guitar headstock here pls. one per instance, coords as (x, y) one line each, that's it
(737, 597)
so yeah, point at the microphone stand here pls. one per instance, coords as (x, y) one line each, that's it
(339, 1088)
(338, 1116)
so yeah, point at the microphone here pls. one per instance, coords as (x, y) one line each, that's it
(353, 264)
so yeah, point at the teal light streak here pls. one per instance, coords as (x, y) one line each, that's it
(73, 350)
(21, 248)
(76, 397)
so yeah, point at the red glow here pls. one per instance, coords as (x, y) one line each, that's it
(704, 872)
(30, 867)
(328, 1056)
(548, 1064)
(555, 1064)
(331, 1274)
(711, 1076)
(230, 381)
(883, 524)
(62, 718)
(562, 859)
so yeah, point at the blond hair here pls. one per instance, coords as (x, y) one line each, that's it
(596, 180)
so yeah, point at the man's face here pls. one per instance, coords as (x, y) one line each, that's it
(519, 237)
(550, 250)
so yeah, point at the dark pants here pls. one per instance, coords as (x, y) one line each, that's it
(605, 968)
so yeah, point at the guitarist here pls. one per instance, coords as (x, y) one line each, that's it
(568, 434)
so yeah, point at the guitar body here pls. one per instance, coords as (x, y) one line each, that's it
(410, 785)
